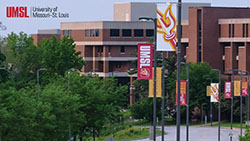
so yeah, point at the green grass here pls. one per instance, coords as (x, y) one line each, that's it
(128, 134)
(227, 124)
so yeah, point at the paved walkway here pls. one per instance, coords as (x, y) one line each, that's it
(199, 133)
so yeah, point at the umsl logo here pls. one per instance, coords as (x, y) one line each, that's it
(16, 12)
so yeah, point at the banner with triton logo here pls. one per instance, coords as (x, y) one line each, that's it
(244, 88)
(144, 63)
(166, 27)
(228, 89)
(214, 92)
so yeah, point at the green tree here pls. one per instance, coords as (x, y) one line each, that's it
(60, 56)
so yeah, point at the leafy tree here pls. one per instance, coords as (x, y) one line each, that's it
(60, 56)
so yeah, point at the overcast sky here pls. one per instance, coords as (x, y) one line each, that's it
(79, 10)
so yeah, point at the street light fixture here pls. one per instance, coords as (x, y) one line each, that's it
(2, 27)
(247, 73)
(37, 78)
(187, 104)
(211, 106)
(147, 19)
(217, 70)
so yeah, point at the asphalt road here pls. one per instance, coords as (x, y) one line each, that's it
(198, 133)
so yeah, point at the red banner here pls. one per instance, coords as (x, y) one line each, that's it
(244, 88)
(145, 63)
(228, 89)
(183, 94)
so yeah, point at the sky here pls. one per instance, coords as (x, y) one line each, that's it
(79, 10)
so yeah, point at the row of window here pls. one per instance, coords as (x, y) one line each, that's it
(128, 32)
(100, 49)
(114, 32)
(231, 30)
(92, 32)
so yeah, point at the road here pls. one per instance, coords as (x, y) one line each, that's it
(198, 133)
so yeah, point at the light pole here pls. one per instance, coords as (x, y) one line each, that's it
(187, 105)
(232, 101)
(37, 80)
(218, 103)
(163, 96)
(155, 63)
(211, 107)
(202, 112)
(179, 32)
(247, 99)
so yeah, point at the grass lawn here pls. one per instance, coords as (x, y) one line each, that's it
(127, 134)
(227, 124)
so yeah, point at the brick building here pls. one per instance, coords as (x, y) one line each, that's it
(48, 33)
(216, 35)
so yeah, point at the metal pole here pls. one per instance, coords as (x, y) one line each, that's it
(219, 106)
(155, 63)
(163, 96)
(178, 70)
(211, 108)
(219, 103)
(187, 112)
(240, 103)
(232, 105)
(201, 113)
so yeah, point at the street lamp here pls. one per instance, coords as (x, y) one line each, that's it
(155, 63)
(37, 80)
(247, 73)
(2, 27)
(187, 104)
(232, 101)
(211, 106)
(218, 102)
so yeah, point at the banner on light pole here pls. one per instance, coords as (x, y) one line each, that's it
(236, 88)
(208, 90)
(228, 89)
(244, 88)
(183, 94)
(145, 61)
(166, 27)
(158, 83)
(214, 92)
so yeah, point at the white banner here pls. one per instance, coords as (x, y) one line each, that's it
(214, 92)
(166, 27)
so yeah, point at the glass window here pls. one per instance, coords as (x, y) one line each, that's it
(149, 32)
(126, 33)
(70, 33)
(86, 32)
(100, 49)
(138, 33)
(122, 49)
(114, 32)
(97, 33)
(92, 33)
(65, 32)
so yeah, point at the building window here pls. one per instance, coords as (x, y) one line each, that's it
(246, 30)
(243, 30)
(92, 33)
(86, 32)
(219, 30)
(122, 49)
(118, 66)
(232, 30)
(149, 32)
(114, 32)
(67, 33)
(126, 33)
(97, 32)
(100, 49)
(138, 32)
(229, 30)
(109, 49)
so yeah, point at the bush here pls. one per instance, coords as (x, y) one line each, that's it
(246, 137)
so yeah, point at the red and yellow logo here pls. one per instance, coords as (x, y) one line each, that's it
(166, 25)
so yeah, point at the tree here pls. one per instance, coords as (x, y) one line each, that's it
(60, 56)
